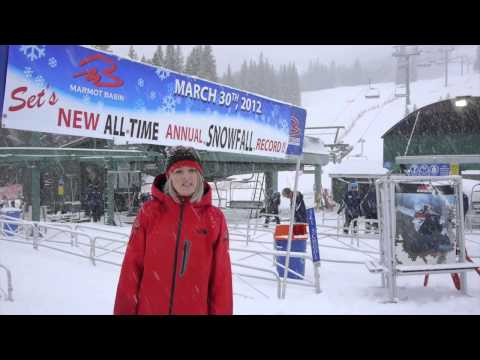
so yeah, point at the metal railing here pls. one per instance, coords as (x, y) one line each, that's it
(9, 293)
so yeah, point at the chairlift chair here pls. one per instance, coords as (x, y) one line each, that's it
(372, 93)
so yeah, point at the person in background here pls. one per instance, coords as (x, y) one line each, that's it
(94, 202)
(177, 260)
(351, 204)
(300, 208)
(273, 202)
(465, 205)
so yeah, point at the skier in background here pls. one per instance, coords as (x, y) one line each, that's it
(351, 204)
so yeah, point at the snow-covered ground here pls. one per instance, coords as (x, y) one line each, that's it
(46, 281)
(50, 282)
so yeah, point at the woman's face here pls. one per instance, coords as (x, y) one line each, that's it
(184, 180)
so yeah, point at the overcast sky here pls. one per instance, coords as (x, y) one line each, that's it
(278, 54)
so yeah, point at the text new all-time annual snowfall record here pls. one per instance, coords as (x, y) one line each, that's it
(74, 90)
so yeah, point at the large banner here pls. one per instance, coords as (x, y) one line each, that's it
(426, 220)
(74, 90)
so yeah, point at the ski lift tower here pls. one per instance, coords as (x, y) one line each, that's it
(403, 52)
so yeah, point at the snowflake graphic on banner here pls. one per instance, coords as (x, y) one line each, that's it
(52, 62)
(188, 104)
(152, 95)
(139, 104)
(169, 104)
(140, 82)
(33, 52)
(162, 74)
(28, 72)
(39, 80)
(284, 124)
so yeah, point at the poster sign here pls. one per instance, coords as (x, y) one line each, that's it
(429, 170)
(312, 230)
(425, 223)
(75, 90)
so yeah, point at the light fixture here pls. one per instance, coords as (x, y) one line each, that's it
(461, 101)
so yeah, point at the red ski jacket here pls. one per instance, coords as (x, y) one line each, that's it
(177, 259)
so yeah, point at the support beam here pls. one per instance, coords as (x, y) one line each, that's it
(109, 193)
(35, 188)
(318, 186)
(271, 181)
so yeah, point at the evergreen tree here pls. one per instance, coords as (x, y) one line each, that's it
(242, 76)
(228, 77)
(144, 59)
(179, 59)
(283, 83)
(192, 65)
(170, 58)
(332, 79)
(208, 66)
(358, 77)
(476, 65)
(295, 86)
(157, 59)
(132, 54)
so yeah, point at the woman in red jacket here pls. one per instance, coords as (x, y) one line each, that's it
(177, 259)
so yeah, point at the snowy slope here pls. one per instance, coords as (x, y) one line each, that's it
(49, 282)
(369, 119)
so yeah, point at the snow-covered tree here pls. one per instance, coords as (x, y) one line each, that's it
(170, 58)
(192, 65)
(476, 65)
(228, 77)
(208, 66)
(132, 54)
(179, 59)
(157, 59)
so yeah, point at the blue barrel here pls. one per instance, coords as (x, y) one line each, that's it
(11, 229)
(299, 244)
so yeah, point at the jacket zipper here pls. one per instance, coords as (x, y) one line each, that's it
(186, 253)
(174, 278)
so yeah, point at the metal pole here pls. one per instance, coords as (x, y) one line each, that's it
(316, 274)
(460, 232)
(407, 80)
(35, 193)
(446, 67)
(290, 229)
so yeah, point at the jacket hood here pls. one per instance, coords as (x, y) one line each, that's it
(160, 181)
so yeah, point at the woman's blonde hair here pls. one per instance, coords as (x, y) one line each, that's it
(197, 194)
